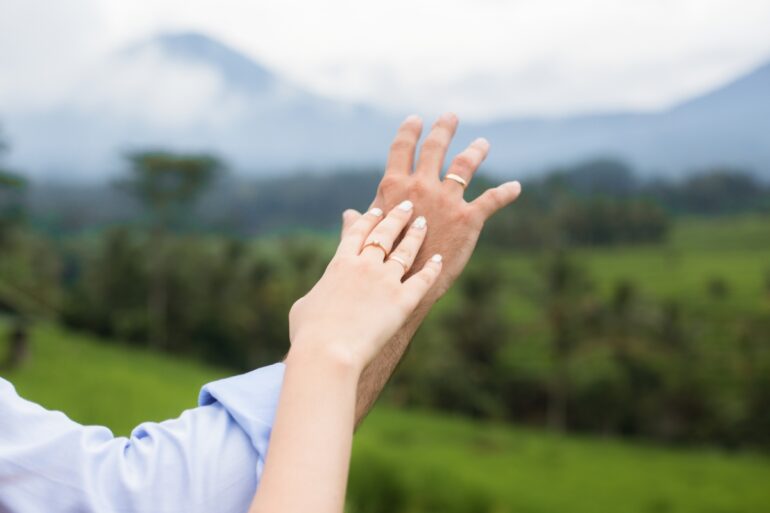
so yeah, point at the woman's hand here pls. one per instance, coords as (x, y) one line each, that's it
(336, 330)
(361, 301)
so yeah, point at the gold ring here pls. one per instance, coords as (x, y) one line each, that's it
(400, 261)
(457, 178)
(377, 244)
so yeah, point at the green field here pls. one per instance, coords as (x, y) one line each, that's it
(416, 461)
(733, 249)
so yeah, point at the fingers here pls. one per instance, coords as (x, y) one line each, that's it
(466, 163)
(349, 217)
(401, 157)
(383, 236)
(434, 148)
(353, 236)
(494, 199)
(420, 283)
(402, 257)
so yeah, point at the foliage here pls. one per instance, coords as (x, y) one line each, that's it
(167, 183)
(412, 462)
(592, 203)
(12, 186)
(615, 321)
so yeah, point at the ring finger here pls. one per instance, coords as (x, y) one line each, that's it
(402, 257)
(465, 164)
(379, 243)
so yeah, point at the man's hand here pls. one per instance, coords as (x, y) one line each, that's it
(455, 225)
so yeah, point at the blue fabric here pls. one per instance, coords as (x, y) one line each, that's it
(207, 460)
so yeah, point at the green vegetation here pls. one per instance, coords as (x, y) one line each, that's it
(413, 461)
(426, 462)
(98, 383)
(600, 303)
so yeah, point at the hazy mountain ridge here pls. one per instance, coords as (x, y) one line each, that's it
(189, 92)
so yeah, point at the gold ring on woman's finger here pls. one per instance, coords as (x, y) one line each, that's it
(377, 244)
(400, 261)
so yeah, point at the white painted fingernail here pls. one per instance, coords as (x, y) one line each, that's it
(481, 142)
(406, 205)
(436, 258)
(376, 212)
(420, 223)
(411, 118)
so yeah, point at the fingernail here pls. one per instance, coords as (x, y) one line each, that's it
(436, 258)
(448, 117)
(420, 223)
(406, 206)
(376, 212)
(481, 142)
(411, 118)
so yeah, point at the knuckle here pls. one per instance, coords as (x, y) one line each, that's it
(426, 276)
(356, 230)
(464, 162)
(475, 217)
(495, 197)
(339, 262)
(390, 184)
(419, 187)
(466, 215)
(401, 144)
(433, 144)
(369, 266)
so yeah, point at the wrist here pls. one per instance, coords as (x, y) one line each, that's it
(331, 356)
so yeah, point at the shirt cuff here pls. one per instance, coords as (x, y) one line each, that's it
(251, 399)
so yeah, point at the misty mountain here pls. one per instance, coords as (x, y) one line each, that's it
(188, 92)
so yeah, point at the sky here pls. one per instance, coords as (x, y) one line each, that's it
(483, 59)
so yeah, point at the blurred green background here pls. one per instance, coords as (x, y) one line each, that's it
(608, 347)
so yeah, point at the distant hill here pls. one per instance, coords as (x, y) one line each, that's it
(189, 92)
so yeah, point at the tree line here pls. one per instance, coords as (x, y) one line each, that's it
(618, 363)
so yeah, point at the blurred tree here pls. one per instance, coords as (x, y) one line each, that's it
(566, 288)
(603, 177)
(11, 198)
(718, 288)
(477, 331)
(599, 222)
(18, 346)
(168, 185)
(713, 192)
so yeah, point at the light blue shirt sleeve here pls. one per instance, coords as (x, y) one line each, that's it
(207, 460)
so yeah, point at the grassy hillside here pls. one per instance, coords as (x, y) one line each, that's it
(735, 250)
(413, 461)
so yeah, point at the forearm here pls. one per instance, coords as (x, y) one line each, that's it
(308, 460)
(378, 372)
(205, 459)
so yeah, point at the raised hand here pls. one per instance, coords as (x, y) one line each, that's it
(455, 223)
(361, 301)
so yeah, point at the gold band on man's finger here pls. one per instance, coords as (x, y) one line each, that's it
(457, 178)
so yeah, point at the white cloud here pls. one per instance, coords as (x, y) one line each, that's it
(485, 58)
(149, 88)
(44, 46)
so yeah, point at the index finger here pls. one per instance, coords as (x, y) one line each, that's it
(401, 156)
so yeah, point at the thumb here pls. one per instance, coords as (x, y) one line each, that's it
(349, 217)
